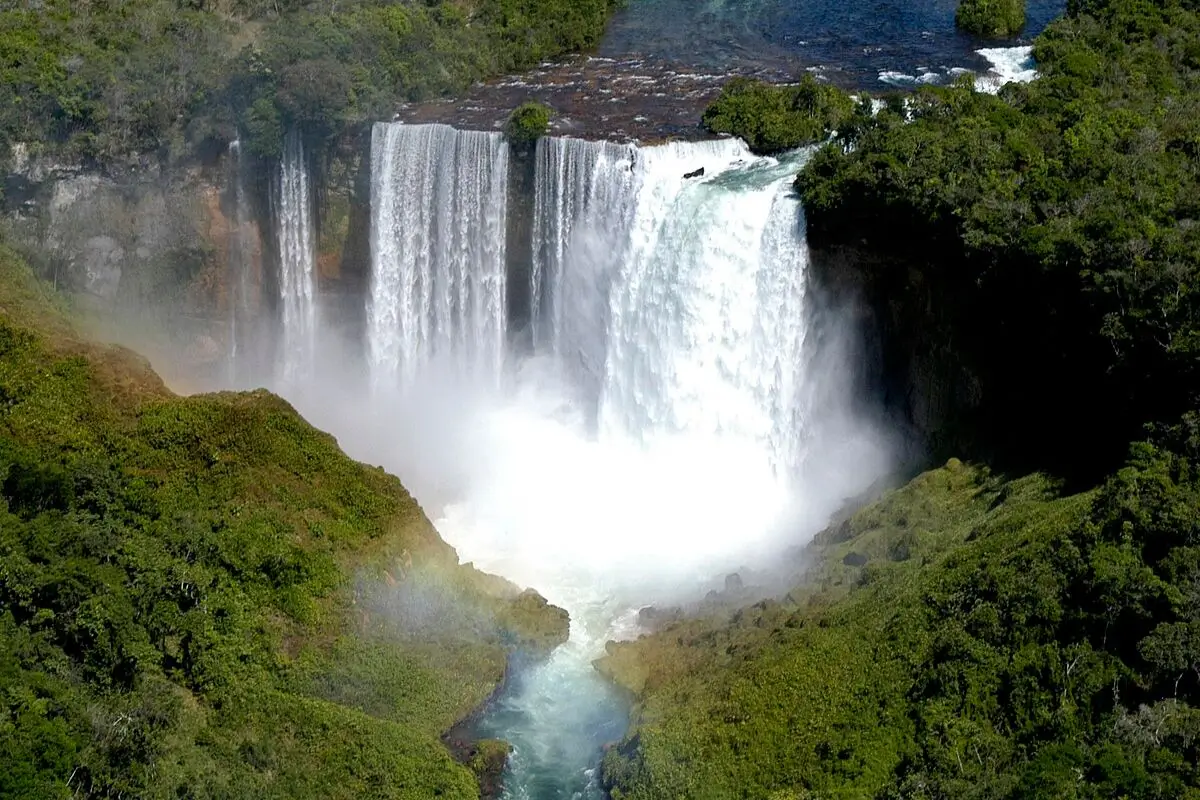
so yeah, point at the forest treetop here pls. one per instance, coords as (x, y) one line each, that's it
(101, 80)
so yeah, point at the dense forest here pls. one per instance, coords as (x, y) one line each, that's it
(976, 634)
(174, 77)
(1056, 221)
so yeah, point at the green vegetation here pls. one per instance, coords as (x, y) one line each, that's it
(772, 118)
(965, 636)
(103, 80)
(1056, 223)
(994, 19)
(971, 635)
(203, 597)
(528, 123)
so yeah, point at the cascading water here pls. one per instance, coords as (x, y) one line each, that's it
(293, 213)
(241, 264)
(438, 201)
(672, 310)
(679, 301)
(650, 442)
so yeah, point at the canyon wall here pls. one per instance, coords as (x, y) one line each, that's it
(171, 259)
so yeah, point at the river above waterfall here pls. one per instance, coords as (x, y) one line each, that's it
(662, 61)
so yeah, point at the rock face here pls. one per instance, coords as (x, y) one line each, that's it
(176, 259)
(145, 247)
(911, 358)
(113, 235)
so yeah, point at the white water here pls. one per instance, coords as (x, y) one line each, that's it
(1009, 64)
(660, 435)
(242, 327)
(297, 263)
(438, 206)
(683, 414)
(677, 304)
(1006, 65)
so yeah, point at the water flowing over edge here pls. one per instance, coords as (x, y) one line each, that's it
(655, 435)
(293, 211)
(438, 239)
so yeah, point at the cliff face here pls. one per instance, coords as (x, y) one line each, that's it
(137, 242)
(913, 360)
(174, 259)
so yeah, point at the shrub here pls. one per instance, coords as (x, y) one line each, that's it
(528, 123)
(993, 19)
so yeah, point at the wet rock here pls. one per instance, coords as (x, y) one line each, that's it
(853, 559)
(696, 173)
(205, 350)
(487, 760)
(652, 618)
(101, 259)
(533, 624)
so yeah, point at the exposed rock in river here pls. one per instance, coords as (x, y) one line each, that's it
(624, 99)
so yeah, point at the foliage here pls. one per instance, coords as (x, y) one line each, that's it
(995, 19)
(109, 79)
(528, 123)
(772, 118)
(1021, 644)
(204, 597)
(1056, 221)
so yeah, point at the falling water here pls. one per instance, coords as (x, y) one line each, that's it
(438, 212)
(241, 280)
(677, 302)
(293, 211)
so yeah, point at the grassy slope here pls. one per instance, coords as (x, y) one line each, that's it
(937, 669)
(205, 595)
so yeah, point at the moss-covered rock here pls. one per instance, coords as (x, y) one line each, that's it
(993, 19)
(487, 761)
(528, 123)
(772, 118)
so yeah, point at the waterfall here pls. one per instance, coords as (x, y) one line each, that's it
(438, 216)
(678, 303)
(671, 397)
(584, 184)
(242, 251)
(293, 212)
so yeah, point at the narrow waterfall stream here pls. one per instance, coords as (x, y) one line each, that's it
(293, 211)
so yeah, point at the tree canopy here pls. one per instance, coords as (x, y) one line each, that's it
(98, 80)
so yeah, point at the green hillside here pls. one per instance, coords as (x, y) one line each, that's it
(204, 597)
(966, 636)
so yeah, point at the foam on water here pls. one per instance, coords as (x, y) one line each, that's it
(1009, 64)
